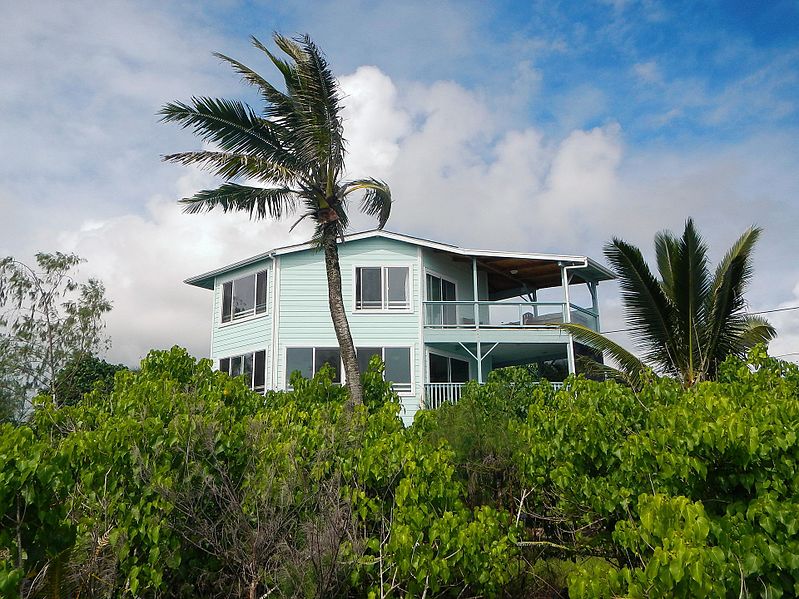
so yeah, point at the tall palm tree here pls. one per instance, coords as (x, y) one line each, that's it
(687, 321)
(288, 157)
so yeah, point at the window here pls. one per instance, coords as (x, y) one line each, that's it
(444, 369)
(397, 361)
(252, 366)
(382, 288)
(244, 296)
(309, 360)
(439, 290)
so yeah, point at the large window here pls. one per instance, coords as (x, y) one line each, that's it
(440, 290)
(244, 296)
(382, 288)
(397, 361)
(309, 360)
(252, 366)
(444, 369)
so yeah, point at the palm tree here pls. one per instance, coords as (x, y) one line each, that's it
(290, 156)
(688, 321)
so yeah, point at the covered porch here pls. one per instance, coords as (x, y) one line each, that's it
(451, 365)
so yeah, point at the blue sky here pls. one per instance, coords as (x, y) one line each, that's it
(539, 126)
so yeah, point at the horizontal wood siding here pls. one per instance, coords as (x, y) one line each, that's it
(305, 314)
(252, 334)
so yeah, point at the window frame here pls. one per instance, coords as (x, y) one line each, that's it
(384, 303)
(242, 357)
(313, 348)
(251, 314)
(404, 391)
(382, 347)
(449, 357)
(456, 305)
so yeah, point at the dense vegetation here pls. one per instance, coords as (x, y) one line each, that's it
(181, 482)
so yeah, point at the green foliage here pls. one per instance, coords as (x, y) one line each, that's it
(80, 375)
(47, 319)
(181, 482)
(688, 321)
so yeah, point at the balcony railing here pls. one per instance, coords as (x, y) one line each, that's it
(438, 394)
(511, 315)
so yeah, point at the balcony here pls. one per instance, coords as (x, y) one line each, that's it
(504, 315)
(438, 394)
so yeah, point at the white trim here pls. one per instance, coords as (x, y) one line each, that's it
(452, 249)
(422, 282)
(251, 317)
(232, 280)
(252, 379)
(383, 282)
(343, 382)
(275, 320)
(446, 354)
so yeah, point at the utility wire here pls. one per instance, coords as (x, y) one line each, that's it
(757, 312)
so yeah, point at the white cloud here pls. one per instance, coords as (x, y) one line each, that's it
(143, 259)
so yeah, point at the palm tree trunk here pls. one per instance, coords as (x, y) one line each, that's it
(340, 323)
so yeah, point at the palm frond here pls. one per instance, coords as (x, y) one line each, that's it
(232, 197)
(590, 367)
(756, 330)
(231, 166)
(725, 302)
(376, 199)
(632, 367)
(649, 311)
(666, 252)
(233, 126)
(690, 288)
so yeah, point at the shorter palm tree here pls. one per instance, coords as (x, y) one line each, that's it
(687, 321)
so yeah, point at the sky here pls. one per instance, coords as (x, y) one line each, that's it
(528, 126)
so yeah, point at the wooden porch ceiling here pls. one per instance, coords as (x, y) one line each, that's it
(505, 274)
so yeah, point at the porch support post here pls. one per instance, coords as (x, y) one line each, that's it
(567, 317)
(479, 363)
(476, 305)
(592, 287)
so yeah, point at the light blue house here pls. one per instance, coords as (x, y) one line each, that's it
(438, 315)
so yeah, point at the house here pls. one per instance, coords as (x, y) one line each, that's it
(438, 315)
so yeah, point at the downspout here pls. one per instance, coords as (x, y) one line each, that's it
(275, 317)
(567, 313)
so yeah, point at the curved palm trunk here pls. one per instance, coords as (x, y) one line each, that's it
(340, 323)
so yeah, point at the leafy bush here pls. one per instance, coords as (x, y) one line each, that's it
(182, 482)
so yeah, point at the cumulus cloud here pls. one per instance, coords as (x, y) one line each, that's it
(143, 259)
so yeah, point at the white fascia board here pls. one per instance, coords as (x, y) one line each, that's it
(435, 245)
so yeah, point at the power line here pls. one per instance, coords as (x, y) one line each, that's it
(757, 312)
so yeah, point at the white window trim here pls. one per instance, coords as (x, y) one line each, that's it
(443, 277)
(435, 273)
(383, 346)
(250, 353)
(383, 280)
(451, 355)
(254, 315)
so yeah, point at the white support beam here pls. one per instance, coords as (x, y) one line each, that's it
(567, 317)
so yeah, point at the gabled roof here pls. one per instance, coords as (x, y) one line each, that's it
(544, 266)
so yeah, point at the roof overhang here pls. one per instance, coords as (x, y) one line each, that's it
(532, 270)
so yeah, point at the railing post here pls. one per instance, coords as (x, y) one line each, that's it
(474, 285)
(567, 317)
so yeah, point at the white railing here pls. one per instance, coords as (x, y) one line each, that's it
(438, 394)
(513, 315)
